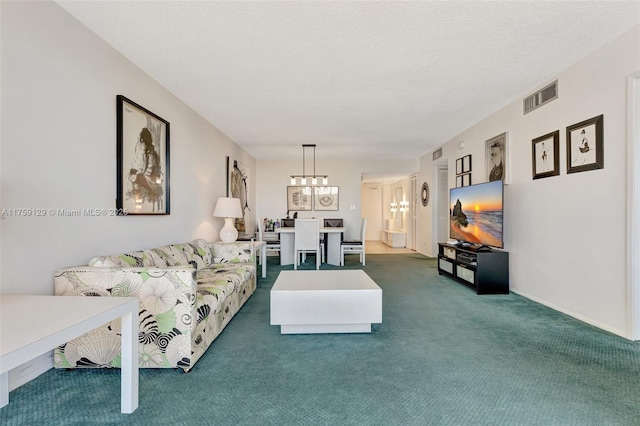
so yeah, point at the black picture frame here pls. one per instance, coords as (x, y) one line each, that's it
(142, 160)
(459, 166)
(463, 164)
(545, 155)
(238, 187)
(585, 145)
(466, 163)
(463, 180)
(497, 158)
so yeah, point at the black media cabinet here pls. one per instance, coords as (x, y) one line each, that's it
(486, 271)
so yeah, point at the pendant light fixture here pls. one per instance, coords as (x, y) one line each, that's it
(303, 177)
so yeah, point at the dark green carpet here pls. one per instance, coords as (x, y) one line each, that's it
(442, 356)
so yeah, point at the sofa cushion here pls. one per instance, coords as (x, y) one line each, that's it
(171, 255)
(138, 259)
(231, 252)
(233, 275)
(105, 262)
(197, 253)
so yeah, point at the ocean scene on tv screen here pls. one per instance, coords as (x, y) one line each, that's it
(476, 214)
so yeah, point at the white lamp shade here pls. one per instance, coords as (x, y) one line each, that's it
(228, 207)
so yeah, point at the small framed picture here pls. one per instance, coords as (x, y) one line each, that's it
(496, 151)
(142, 153)
(299, 198)
(585, 149)
(463, 180)
(459, 166)
(546, 155)
(325, 198)
(466, 163)
(237, 187)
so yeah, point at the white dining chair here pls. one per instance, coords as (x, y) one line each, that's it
(307, 240)
(354, 246)
(273, 244)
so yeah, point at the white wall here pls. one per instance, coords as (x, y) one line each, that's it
(273, 179)
(59, 87)
(566, 235)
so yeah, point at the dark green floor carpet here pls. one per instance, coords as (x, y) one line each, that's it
(442, 356)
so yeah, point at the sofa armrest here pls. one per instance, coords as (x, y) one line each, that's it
(169, 294)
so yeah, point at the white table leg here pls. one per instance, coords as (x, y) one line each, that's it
(263, 259)
(129, 369)
(4, 389)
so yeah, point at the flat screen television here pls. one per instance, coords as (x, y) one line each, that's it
(477, 214)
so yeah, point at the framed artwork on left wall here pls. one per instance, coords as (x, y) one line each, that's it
(238, 187)
(142, 164)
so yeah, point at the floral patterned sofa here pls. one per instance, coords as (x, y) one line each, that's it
(188, 293)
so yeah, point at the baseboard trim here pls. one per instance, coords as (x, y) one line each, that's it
(573, 314)
(30, 370)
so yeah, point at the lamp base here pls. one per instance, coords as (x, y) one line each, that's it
(228, 233)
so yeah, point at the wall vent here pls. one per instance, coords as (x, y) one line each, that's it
(437, 154)
(541, 97)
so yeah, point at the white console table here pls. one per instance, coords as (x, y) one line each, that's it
(394, 238)
(34, 325)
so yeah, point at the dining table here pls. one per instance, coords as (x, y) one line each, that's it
(333, 239)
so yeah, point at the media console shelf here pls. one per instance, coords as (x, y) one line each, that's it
(486, 271)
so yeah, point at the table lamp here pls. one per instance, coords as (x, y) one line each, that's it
(229, 208)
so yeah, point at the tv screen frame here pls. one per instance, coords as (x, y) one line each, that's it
(476, 214)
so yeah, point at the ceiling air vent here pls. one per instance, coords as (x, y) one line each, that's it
(541, 97)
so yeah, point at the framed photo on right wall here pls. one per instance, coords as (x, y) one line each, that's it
(585, 145)
(497, 158)
(546, 155)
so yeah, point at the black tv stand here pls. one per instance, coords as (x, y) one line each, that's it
(481, 268)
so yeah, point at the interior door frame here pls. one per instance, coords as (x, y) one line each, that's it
(413, 212)
(633, 206)
(438, 195)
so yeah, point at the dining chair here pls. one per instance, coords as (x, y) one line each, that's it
(354, 246)
(273, 244)
(330, 223)
(307, 240)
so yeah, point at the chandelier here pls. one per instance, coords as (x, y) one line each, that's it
(303, 177)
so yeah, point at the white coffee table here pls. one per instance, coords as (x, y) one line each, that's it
(34, 325)
(304, 302)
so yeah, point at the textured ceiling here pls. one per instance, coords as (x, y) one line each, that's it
(377, 80)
